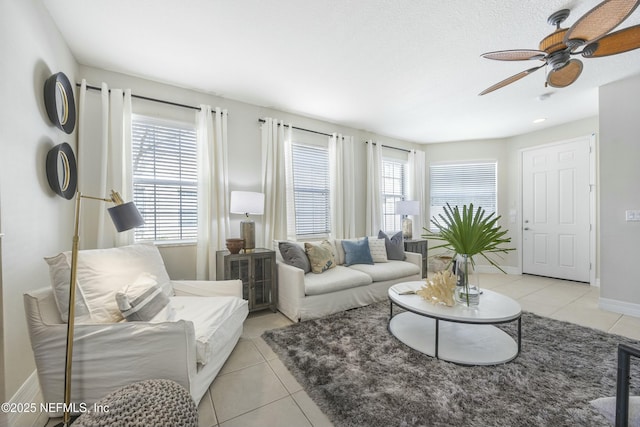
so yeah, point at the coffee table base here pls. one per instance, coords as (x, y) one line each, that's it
(462, 343)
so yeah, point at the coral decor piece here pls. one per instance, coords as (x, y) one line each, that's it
(439, 289)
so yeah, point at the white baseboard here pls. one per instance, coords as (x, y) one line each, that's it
(619, 307)
(27, 394)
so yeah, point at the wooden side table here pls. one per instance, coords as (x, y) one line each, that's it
(257, 270)
(418, 246)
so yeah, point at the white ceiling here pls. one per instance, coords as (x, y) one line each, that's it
(407, 69)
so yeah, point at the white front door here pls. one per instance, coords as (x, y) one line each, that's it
(556, 210)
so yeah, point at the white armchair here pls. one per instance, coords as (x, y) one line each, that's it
(108, 356)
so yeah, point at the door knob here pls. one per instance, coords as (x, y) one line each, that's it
(526, 228)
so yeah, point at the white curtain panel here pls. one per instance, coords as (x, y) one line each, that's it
(104, 163)
(276, 140)
(418, 189)
(82, 153)
(213, 189)
(374, 176)
(342, 178)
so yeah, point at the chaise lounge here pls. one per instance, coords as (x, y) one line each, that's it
(188, 346)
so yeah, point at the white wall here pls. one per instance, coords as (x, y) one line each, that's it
(244, 144)
(507, 153)
(35, 221)
(620, 174)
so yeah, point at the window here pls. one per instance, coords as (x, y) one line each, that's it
(461, 184)
(165, 179)
(394, 187)
(311, 190)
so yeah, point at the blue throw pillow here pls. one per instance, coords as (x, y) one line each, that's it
(357, 252)
(395, 245)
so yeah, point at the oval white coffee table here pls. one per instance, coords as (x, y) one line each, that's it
(459, 334)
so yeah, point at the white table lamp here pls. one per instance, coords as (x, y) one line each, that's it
(405, 208)
(247, 202)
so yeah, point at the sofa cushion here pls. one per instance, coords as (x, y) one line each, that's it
(144, 301)
(336, 279)
(103, 272)
(394, 244)
(209, 316)
(321, 256)
(357, 252)
(294, 254)
(387, 271)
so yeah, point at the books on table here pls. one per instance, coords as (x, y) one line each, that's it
(406, 288)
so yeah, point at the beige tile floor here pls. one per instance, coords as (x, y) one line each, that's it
(255, 389)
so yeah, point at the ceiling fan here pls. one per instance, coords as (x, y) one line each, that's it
(590, 34)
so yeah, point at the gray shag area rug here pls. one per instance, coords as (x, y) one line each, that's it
(360, 375)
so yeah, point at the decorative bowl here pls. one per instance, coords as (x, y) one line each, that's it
(235, 245)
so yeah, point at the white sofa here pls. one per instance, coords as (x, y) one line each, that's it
(190, 348)
(307, 296)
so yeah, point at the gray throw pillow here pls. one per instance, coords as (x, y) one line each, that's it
(395, 245)
(144, 301)
(293, 254)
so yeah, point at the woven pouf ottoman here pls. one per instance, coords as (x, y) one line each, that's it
(145, 403)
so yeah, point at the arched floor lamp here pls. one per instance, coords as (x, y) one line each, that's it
(125, 216)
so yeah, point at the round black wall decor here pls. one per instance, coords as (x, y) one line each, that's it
(59, 102)
(62, 172)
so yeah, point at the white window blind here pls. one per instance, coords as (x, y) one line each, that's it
(393, 190)
(461, 184)
(165, 178)
(311, 188)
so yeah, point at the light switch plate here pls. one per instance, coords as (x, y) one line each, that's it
(632, 215)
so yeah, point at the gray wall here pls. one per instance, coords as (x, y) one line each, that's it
(619, 167)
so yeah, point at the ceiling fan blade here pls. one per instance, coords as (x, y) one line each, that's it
(510, 80)
(514, 55)
(564, 76)
(599, 21)
(614, 43)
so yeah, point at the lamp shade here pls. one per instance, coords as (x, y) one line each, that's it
(125, 216)
(407, 207)
(247, 202)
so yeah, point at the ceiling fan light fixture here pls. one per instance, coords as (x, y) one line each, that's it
(566, 75)
(600, 20)
(553, 42)
(621, 41)
(590, 33)
(590, 49)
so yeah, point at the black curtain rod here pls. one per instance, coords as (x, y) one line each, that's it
(146, 98)
(388, 146)
(302, 129)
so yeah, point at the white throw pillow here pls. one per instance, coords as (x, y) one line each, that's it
(378, 249)
(103, 272)
(60, 272)
(144, 301)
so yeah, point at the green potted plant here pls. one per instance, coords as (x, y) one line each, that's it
(467, 233)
